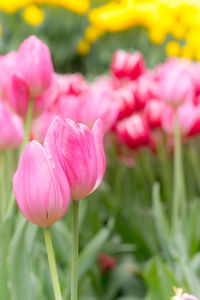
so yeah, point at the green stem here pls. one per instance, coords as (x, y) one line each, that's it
(3, 183)
(178, 205)
(52, 264)
(74, 280)
(27, 130)
(27, 126)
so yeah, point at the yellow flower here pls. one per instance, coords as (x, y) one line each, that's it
(77, 6)
(187, 52)
(83, 47)
(92, 33)
(157, 35)
(173, 48)
(33, 15)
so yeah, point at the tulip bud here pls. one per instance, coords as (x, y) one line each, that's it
(80, 152)
(41, 188)
(12, 130)
(34, 65)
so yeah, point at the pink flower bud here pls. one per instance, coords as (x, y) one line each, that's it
(34, 65)
(80, 152)
(12, 130)
(41, 188)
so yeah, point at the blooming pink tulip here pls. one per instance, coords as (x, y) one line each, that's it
(146, 89)
(67, 106)
(40, 126)
(176, 84)
(40, 186)
(98, 104)
(7, 66)
(80, 152)
(153, 113)
(34, 65)
(74, 84)
(127, 65)
(134, 132)
(187, 116)
(12, 130)
(125, 100)
(189, 297)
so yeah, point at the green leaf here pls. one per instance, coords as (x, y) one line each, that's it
(18, 265)
(159, 279)
(5, 236)
(161, 222)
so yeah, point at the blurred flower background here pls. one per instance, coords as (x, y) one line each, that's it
(134, 64)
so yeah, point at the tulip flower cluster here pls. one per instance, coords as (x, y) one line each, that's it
(65, 116)
(137, 105)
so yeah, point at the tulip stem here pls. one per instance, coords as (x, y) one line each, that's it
(52, 264)
(27, 126)
(27, 131)
(74, 280)
(178, 205)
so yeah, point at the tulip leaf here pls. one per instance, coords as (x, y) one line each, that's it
(5, 233)
(21, 277)
(159, 279)
(161, 222)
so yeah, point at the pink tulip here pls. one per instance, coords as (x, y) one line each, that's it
(186, 117)
(40, 186)
(127, 65)
(80, 152)
(189, 297)
(40, 126)
(125, 101)
(18, 89)
(74, 84)
(67, 107)
(98, 104)
(134, 132)
(7, 66)
(118, 63)
(146, 89)
(153, 113)
(34, 65)
(176, 84)
(12, 130)
(41, 103)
